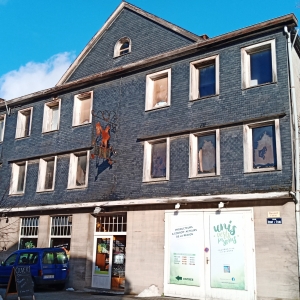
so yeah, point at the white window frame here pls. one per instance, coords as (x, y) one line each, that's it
(119, 43)
(20, 133)
(73, 170)
(245, 57)
(194, 76)
(76, 108)
(29, 229)
(47, 118)
(248, 146)
(42, 174)
(148, 160)
(150, 89)
(2, 117)
(193, 159)
(15, 178)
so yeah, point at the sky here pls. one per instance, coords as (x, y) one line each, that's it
(40, 39)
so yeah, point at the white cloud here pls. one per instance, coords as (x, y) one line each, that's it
(34, 76)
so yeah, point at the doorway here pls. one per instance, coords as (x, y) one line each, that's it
(210, 254)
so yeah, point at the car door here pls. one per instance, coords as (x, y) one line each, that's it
(6, 268)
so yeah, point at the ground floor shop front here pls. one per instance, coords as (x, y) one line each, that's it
(194, 251)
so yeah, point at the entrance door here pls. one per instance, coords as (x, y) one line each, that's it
(209, 254)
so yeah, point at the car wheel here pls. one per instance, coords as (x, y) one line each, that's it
(60, 286)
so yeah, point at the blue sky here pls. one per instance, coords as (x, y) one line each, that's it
(40, 39)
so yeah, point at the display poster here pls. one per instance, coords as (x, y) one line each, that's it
(227, 236)
(184, 249)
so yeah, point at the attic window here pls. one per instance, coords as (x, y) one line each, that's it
(122, 47)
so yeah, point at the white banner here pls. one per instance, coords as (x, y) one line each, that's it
(184, 249)
(227, 252)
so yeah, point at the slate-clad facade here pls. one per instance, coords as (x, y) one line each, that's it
(120, 188)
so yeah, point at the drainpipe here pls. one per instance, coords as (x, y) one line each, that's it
(296, 138)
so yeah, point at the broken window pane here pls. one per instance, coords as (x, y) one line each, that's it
(264, 147)
(81, 169)
(49, 175)
(207, 154)
(158, 160)
(160, 92)
(207, 81)
(21, 178)
(261, 67)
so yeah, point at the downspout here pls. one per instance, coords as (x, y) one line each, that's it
(296, 138)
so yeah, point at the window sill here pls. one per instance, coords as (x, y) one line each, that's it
(22, 137)
(50, 131)
(205, 97)
(17, 193)
(258, 85)
(204, 176)
(159, 107)
(85, 124)
(45, 191)
(156, 180)
(262, 170)
(77, 187)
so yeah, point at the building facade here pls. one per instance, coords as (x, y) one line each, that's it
(162, 157)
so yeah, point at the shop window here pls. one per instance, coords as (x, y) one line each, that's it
(61, 230)
(156, 160)
(47, 170)
(2, 127)
(102, 256)
(204, 77)
(205, 154)
(114, 223)
(158, 90)
(259, 64)
(123, 46)
(82, 113)
(29, 233)
(24, 123)
(51, 116)
(18, 178)
(78, 170)
(262, 147)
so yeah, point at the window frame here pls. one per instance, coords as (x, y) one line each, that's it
(245, 62)
(248, 146)
(46, 116)
(76, 115)
(193, 157)
(26, 230)
(73, 170)
(15, 175)
(148, 160)
(119, 43)
(150, 78)
(42, 174)
(194, 76)
(2, 134)
(18, 127)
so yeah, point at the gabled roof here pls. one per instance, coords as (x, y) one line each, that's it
(108, 23)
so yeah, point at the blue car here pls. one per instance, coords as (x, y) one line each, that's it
(48, 266)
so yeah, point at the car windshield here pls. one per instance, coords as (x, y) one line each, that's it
(11, 260)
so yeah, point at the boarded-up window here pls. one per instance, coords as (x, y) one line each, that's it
(207, 154)
(78, 171)
(158, 159)
(23, 123)
(51, 116)
(47, 170)
(264, 147)
(160, 91)
(18, 178)
(82, 109)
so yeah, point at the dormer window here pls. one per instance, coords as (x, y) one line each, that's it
(123, 46)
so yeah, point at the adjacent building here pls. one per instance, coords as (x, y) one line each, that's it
(163, 157)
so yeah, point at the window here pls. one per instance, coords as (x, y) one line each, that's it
(123, 46)
(156, 160)
(205, 154)
(24, 123)
(2, 127)
(78, 170)
(51, 116)
(204, 77)
(29, 232)
(262, 148)
(114, 223)
(158, 90)
(18, 178)
(259, 64)
(61, 230)
(47, 170)
(82, 113)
